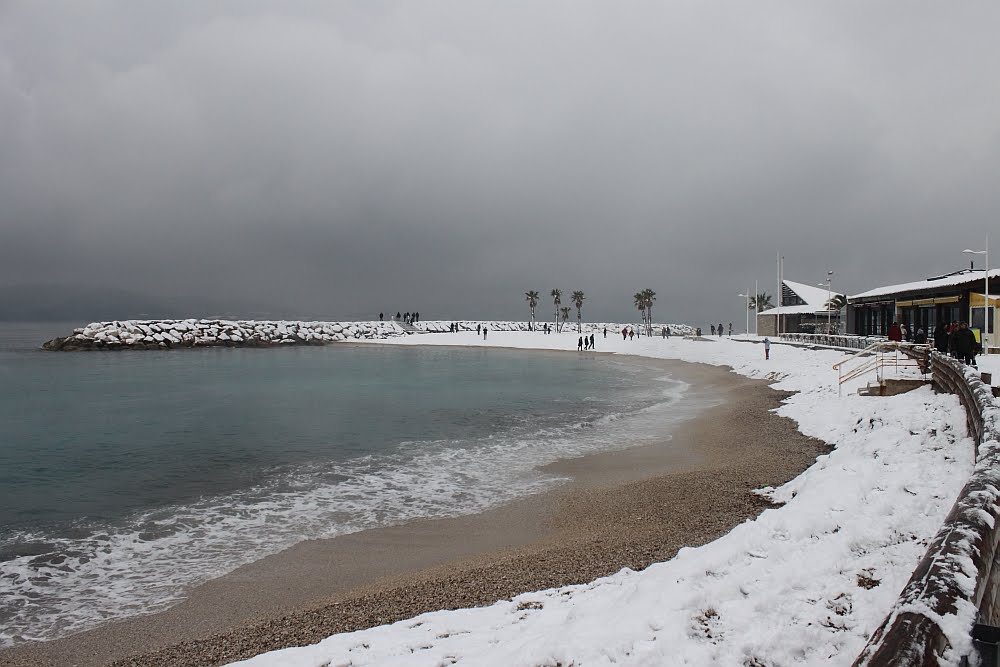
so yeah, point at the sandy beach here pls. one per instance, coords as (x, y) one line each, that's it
(627, 508)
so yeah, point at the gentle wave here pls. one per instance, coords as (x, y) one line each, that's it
(100, 573)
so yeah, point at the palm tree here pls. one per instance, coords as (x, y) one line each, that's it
(640, 302)
(532, 298)
(565, 315)
(763, 300)
(577, 300)
(557, 300)
(648, 297)
(836, 302)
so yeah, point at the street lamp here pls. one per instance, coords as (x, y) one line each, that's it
(829, 296)
(986, 295)
(747, 295)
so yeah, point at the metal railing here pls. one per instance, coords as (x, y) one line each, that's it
(833, 340)
(915, 633)
(881, 355)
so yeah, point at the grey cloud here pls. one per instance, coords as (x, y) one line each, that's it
(338, 160)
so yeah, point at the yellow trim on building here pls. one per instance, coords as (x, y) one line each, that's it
(976, 300)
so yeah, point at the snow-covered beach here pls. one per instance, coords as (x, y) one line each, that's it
(803, 583)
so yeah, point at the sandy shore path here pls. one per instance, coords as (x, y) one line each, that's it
(624, 509)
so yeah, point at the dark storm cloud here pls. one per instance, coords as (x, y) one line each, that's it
(337, 159)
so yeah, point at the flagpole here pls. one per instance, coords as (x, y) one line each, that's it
(777, 297)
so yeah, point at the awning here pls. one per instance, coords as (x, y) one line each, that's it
(928, 302)
(977, 300)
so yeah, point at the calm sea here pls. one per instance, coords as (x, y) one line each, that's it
(126, 478)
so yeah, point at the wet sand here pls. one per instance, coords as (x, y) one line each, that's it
(627, 508)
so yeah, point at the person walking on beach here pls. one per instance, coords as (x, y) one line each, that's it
(624, 333)
(605, 332)
(767, 348)
(720, 329)
(631, 333)
(591, 341)
(663, 333)
(485, 331)
(713, 329)
(579, 343)
(730, 328)
(479, 329)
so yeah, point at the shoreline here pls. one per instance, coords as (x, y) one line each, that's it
(605, 519)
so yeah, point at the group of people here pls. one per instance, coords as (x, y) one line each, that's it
(409, 318)
(719, 330)
(958, 340)
(953, 338)
(585, 342)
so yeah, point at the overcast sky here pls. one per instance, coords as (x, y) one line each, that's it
(334, 159)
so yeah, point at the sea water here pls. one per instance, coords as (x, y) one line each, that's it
(128, 477)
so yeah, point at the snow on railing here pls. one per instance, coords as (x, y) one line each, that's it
(833, 340)
(955, 585)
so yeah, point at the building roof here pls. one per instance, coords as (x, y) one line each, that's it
(952, 280)
(815, 300)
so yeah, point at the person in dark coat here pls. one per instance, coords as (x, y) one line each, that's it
(591, 341)
(941, 338)
(952, 330)
(895, 333)
(965, 343)
(920, 338)
(579, 343)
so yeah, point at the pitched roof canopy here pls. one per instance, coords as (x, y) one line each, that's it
(815, 300)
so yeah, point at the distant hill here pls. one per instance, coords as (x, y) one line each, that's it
(47, 303)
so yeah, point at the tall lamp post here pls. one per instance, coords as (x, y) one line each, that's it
(829, 296)
(747, 295)
(986, 295)
(756, 306)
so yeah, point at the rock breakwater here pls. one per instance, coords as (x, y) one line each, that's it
(190, 333)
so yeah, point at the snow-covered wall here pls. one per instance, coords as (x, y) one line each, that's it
(169, 334)
(956, 584)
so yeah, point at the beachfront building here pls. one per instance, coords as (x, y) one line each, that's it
(803, 309)
(925, 303)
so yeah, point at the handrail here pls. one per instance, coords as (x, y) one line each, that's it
(867, 350)
(916, 352)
